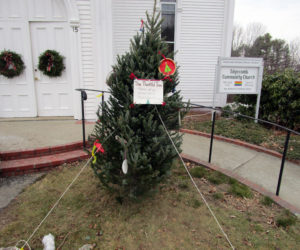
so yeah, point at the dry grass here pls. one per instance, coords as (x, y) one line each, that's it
(172, 217)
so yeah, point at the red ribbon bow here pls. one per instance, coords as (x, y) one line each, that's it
(167, 78)
(162, 55)
(9, 63)
(50, 61)
(132, 76)
(142, 25)
(99, 147)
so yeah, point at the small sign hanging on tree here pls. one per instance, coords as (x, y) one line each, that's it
(167, 66)
(147, 91)
(125, 166)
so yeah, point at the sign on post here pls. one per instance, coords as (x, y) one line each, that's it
(147, 91)
(238, 80)
(236, 75)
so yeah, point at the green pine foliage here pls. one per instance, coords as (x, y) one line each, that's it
(280, 99)
(16, 60)
(137, 131)
(57, 64)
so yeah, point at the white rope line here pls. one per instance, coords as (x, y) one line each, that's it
(67, 189)
(23, 245)
(188, 116)
(212, 213)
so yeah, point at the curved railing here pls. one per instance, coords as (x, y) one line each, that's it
(288, 130)
(193, 105)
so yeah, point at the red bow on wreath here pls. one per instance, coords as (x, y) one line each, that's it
(50, 61)
(9, 63)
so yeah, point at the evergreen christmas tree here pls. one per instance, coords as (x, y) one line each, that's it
(133, 131)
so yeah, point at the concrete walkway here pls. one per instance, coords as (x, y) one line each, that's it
(257, 167)
(16, 134)
(260, 168)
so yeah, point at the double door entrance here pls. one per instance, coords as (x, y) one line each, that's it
(33, 93)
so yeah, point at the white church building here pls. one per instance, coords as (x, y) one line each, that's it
(90, 34)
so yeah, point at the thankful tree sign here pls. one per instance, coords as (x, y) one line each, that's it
(147, 91)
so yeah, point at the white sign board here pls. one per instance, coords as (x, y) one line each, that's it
(147, 91)
(239, 75)
(238, 80)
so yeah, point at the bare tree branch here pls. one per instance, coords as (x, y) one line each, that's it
(253, 31)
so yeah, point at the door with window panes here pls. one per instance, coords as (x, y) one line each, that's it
(168, 24)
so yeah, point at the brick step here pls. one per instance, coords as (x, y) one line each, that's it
(23, 154)
(35, 164)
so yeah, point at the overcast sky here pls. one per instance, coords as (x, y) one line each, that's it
(281, 17)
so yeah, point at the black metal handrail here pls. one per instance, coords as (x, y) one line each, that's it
(95, 90)
(245, 116)
(84, 98)
(289, 131)
(194, 105)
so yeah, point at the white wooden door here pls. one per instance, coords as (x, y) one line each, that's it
(17, 97)
(54, 94)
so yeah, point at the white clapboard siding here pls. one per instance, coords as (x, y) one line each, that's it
(126, 21)
(88, 56)
(200, 34)
(200, 43)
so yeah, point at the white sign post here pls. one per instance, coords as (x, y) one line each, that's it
(147, 91)
(239, 75)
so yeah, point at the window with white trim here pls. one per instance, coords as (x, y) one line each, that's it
(168, 25)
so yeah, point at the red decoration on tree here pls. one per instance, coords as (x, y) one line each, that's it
(132, 76)
(167, 67)
(162, 55)
(99, 147)
(163, 104)
(131, 105)
(142, 25)
(167, 78)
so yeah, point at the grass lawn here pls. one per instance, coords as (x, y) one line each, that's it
(250, 132)
(173, 217)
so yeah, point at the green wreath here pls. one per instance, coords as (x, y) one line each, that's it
(11, 64)
(51, 63)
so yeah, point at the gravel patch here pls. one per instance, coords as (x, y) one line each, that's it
(10, 187)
